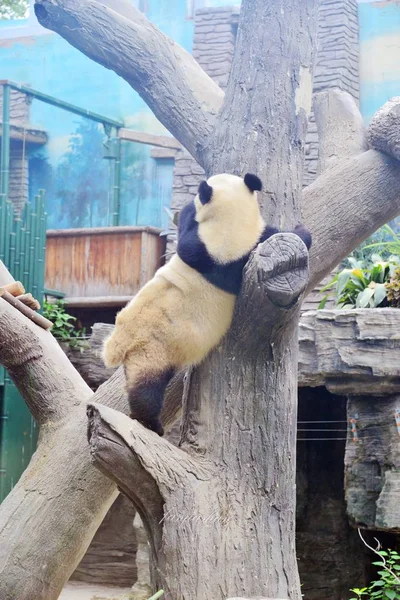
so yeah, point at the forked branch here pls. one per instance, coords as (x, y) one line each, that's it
(168, 466)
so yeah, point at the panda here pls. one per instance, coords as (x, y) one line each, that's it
(181, 314)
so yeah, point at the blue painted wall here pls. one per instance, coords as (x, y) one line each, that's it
(71, 167)
(379, 23)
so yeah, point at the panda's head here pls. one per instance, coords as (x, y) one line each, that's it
(227, 210)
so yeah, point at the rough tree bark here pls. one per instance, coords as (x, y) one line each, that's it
(240, 412)
(341, 131)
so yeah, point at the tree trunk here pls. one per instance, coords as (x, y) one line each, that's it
(230, 489)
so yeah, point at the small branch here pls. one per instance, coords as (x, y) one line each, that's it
(118, 36)
(26, 310)
(384, 129)
(167, 465)
(376, 551)
(341, 131)
(29, 300)
(275, 279)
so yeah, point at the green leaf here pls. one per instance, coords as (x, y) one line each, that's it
(380, 293)
(329, 285)
(364, 297)
(321, 305)
(390, 594)
(343, 278)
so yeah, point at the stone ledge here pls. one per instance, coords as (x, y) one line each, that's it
(351, 352)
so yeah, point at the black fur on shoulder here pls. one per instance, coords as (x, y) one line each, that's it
(253, 182)
(205, 192)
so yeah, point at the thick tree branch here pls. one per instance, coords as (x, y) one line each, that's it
(264, 117)
(147, 468)
(169, 466)
(358, 191)
(45, 377)
(118, 36)
(346, 204)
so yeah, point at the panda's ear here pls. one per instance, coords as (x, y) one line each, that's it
(253, 182)
(205, 192)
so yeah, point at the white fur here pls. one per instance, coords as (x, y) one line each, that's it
(230, 224)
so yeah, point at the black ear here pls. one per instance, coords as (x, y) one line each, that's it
(205, 192)
(253, 182)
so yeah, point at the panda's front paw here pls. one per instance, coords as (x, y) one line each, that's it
(304, 234)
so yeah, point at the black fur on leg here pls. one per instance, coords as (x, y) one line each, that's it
(146, 399)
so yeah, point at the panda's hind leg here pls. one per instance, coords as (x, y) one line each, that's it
(146, 397)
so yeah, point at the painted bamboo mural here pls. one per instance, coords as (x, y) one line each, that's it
(22, 243)
(22, 249)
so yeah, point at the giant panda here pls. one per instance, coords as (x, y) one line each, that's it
(179, 316)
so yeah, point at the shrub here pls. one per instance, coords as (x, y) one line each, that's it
(64, 329)
(364, 284)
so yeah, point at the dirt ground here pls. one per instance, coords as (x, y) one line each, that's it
(86, 591)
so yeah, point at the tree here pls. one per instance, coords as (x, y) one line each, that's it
(14, 9)
(235, 468)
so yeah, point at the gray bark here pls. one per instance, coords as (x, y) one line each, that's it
(384, 129)
(264, 117)
(204, 490)
(346, 204)
(341, 131)
(118, 36)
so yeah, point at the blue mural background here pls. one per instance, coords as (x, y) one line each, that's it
(71, 168)
(79, 187)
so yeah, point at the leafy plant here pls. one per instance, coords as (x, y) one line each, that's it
(363, 285)
(393, 289)
(391, 243)
(64, 329)
(387, 584)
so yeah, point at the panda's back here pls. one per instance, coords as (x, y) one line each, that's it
(182, 310)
